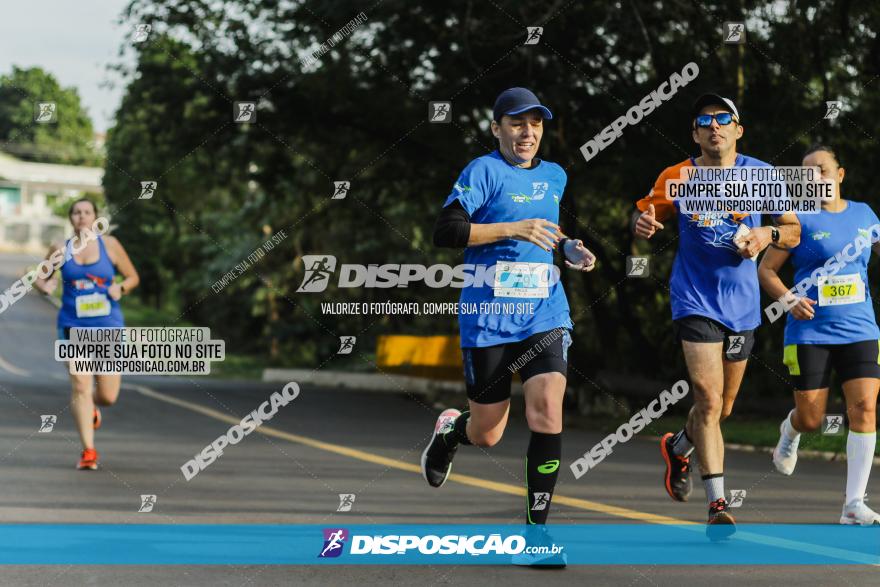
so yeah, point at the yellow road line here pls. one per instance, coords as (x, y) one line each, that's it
(507, 488)
(360, 455)
(6, 365)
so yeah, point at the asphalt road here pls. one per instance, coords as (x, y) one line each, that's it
(283, 477)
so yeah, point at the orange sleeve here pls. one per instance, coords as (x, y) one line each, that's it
(663, 206)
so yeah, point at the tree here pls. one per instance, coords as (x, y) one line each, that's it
(68, 140)
(359, 114)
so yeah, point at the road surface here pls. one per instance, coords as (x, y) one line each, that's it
(373, 441)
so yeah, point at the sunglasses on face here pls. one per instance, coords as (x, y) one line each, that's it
(722, 118)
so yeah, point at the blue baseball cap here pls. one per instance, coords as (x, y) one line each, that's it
(516, 101)
(713, 99)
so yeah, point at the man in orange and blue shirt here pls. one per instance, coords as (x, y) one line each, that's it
(715, 300)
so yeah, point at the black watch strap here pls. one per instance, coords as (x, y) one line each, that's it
(774, 234)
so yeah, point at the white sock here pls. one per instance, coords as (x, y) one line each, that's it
(788, 428)
(681, 444)
(714, 485)
(859, 458)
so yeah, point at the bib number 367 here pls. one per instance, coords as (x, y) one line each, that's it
(840, 290)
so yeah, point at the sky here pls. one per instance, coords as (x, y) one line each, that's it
(74, 41)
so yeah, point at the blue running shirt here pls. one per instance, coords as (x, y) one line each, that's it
(709, 277)
(843, 318)
(492, 190)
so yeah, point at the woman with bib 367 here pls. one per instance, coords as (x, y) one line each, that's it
(90, 299)
(831, 327)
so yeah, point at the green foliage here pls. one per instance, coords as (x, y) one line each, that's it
(359, 114)
(61, 206)
(69, 140)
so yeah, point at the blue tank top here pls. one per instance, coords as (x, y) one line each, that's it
(84, 299)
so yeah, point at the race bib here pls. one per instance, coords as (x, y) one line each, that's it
(841, 289)
(92, 305)
(522, 280)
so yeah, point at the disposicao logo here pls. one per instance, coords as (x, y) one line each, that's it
(334, 540)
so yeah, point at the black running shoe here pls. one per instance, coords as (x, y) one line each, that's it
(721, 524)
(678, 471)
(437, 457)
(543, 557)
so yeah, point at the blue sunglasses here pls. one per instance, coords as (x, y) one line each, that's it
(722, 118)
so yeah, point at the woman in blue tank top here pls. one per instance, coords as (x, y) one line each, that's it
(90, 298)
(831, 327)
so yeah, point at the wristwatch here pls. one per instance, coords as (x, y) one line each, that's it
(774, 234)
(122, 287)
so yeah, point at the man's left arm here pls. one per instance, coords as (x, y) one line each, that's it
(789, 231)
(758, 239)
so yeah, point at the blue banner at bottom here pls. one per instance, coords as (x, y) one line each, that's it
(584, 544)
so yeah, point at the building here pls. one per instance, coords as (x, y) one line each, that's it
(29, 193)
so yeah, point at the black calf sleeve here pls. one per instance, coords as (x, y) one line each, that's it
(542, 470)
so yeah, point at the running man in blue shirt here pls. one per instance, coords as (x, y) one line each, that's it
(503, 211)
(715, 301)
(831, 325)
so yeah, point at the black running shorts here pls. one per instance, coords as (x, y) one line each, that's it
(737, 345)
(810, 364)
(488, 371)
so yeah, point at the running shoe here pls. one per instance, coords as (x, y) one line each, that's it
(88, 460)
(785, 453)
(437, 457)
(856, 513)
(677, 479)
(721, 524)
(537, 535)
(96, 419)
